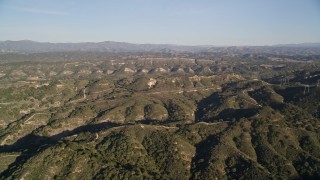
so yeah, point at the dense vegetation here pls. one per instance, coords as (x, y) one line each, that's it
(159, 116)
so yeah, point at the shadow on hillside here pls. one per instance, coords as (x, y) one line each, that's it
(31, 144)
(206, 105)
(296, 94)
(291, 93)
(212, 102)
(230, 114)
(201, 161)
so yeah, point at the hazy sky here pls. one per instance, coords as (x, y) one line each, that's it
(193, 22)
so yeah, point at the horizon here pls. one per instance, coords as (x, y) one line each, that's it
(202, 23)
(200, 45)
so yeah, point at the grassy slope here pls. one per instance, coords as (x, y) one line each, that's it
(278, 138)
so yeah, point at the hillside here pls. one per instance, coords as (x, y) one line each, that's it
(156, 117)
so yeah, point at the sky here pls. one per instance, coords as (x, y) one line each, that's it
(185, 22)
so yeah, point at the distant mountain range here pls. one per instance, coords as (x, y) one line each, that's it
(27, 46)
(299, 45)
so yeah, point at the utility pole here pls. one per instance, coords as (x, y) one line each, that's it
(306, 89)
(318, 83)
(284, 81)
(254, 75)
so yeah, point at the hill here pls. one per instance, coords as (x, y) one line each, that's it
(149, 116)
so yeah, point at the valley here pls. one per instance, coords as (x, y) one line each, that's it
(159, 115)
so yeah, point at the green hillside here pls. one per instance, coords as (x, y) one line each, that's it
(85, 122)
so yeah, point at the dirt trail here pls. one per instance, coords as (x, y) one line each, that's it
(181, 91)
(82, 99)
(33, 116)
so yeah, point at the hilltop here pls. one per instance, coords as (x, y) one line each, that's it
(159, 116)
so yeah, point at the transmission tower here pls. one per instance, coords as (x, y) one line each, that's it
(306, 89)
(284, 81)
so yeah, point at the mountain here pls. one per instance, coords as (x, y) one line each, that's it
(26, 46)
(299, 45)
